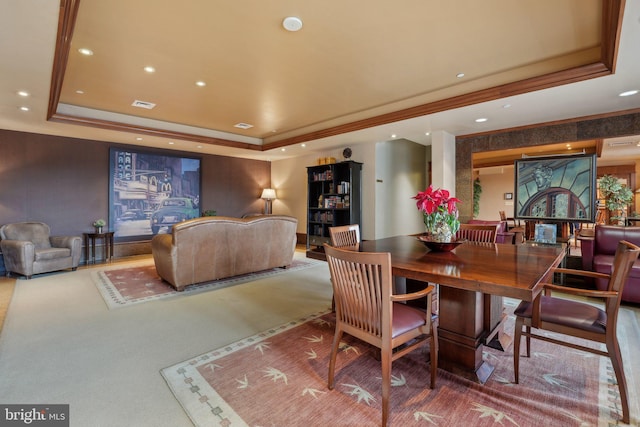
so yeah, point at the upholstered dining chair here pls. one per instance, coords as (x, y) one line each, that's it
(483, 233)
(345, 236)
(367, 309)
(580, 319)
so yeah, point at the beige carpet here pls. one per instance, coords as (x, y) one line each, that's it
(61, 344)
(278, 378)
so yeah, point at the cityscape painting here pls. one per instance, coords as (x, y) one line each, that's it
(149, 192)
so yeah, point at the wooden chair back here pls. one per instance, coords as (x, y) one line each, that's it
(581, 319)
(345, 236)
(484, 233)
(367, 309)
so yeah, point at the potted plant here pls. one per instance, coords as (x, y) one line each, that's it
(617, 196)
(98, 224)
(440, 213)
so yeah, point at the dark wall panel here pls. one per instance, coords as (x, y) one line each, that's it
(65, 181)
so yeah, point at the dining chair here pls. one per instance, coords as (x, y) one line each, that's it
(580, 319)
(483, 233)
(367, 309)
(345, 236)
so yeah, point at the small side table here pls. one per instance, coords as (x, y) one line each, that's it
(90, 239)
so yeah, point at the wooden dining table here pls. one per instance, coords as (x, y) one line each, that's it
(473, 279)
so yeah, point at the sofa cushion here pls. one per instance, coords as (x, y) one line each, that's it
(52, 253)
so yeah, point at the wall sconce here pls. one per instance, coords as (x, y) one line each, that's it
(268, 194)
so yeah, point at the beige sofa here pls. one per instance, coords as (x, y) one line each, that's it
(210, 248)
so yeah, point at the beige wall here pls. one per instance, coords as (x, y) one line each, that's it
(495, 182)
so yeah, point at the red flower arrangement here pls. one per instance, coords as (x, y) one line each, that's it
(438, 207)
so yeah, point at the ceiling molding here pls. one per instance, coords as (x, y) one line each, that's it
(611, 25)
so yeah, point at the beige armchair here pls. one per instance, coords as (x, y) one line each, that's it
(29, 249)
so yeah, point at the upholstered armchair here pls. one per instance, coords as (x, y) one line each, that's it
(29, 249)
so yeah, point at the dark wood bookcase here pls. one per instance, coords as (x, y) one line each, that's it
(333, 198)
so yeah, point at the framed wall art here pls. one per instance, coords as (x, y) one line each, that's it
(559, 188)
(151, 191)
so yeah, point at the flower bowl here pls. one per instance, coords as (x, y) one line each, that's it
(439, 246)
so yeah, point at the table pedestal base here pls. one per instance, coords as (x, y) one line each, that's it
(468, 320)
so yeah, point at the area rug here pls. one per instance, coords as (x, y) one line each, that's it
(278, 378)
(134, 285)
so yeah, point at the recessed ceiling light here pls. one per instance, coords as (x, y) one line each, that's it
(85, 51)
(171, 142)
(427, 133)
(303, 145)
(393, 135)
(149, 69)
(283, 149)
(24, 108)
(243, 126)
(460, 75)
(198, 146)
(200, 83)
(628, 93)
(292, 23)
(506, 106)
(481, 120)
(80, 92)
(139, 138)
(23, 93)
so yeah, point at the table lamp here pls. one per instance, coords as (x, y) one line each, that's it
(268, 194)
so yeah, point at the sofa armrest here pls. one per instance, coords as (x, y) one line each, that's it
(18, 256)
(587, 247)
(71, 242)
(74, 243)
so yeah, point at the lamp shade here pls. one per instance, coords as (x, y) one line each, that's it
(268, 194)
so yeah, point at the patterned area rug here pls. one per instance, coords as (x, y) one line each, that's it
(135, 285)
(278, 378)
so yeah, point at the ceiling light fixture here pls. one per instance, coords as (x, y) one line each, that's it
(628, 93)
(23, 93)
(200, 83)
(149, 69)
(292, 23)
(481, 120)
(303, 145)
(80, 92)
(171, 142)
(506, 106)
(24, 108)
(460, 75)
(85, 51)
(283, 149)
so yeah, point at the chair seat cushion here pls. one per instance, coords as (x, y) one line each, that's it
(52, 253)
(406, 318)
(567, 313)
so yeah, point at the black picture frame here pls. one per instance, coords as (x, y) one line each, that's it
(556, 188)
(142, 182)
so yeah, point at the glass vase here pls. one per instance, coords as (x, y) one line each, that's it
(441, 232)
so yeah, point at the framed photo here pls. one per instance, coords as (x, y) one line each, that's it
(561, 188)
(508, 196)
(151, 191)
